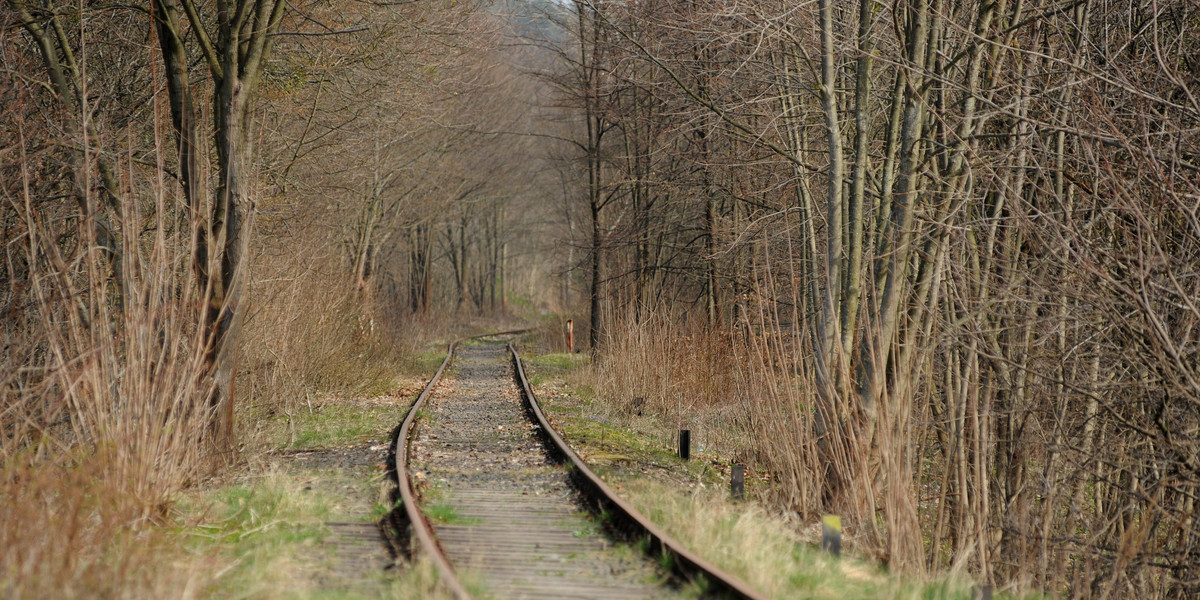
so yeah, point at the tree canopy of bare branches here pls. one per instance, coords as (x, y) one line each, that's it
(966, 230)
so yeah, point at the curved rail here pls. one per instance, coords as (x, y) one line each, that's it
(408, 496)
(420, 526)
(685, 561)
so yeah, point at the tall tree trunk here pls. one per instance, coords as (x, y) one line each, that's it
(589, 47)
(245, 33)
(862, 126)
(594, 298)
(829, 355)
(897, 240)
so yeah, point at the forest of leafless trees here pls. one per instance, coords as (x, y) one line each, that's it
(211, 211)
(952, 246)
(956, 244)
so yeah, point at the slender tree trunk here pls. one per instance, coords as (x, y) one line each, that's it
(594, 329)
(862, 126)
(829, 364)
(898, 238)
(589, 48)
(230, 221)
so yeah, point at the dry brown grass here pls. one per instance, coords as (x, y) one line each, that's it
(762, 541)
(104, 418)
(725, 388)
(76, 531)
(681, 372)
(104, 414)
(741, 401)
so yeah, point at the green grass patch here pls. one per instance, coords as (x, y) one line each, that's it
(334, 423)
(422, 365)
(587, 530)
(263, 529)
(382, 509)
(445, 514)
(265, 536)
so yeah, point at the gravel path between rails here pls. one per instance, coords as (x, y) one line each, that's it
(505, 514)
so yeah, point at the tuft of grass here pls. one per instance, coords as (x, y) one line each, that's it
(74, 528)
(382, 509)
(445, 514)
(417, 581)
(561, 361)
(262, 529)
(590, 529)
(264, 534)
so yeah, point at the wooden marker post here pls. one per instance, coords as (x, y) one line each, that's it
(685, 444)
(737, 482)
(831, 534)
(570, 336)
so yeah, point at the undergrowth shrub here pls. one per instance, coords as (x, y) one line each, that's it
(312, 332)
(679, 370)
(73, 529)
(730, 388)
(105, 416)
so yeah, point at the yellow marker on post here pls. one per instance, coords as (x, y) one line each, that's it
(831, 534)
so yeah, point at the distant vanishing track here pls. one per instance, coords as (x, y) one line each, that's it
(501, 511)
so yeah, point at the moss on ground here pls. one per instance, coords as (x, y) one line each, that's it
(340, 423)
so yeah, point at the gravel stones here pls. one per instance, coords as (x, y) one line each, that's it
(515, 526)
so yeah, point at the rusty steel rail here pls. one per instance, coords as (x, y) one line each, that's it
(685, 562)
(416, 519)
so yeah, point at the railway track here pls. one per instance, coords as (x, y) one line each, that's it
(495, 497)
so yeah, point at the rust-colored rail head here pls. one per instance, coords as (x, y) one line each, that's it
(686, 563)
(408, 497)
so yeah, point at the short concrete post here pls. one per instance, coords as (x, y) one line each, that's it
(982, 592)
(831, 534)
(737, 482)
(685, 444)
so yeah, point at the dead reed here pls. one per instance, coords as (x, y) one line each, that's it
(105, 412)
